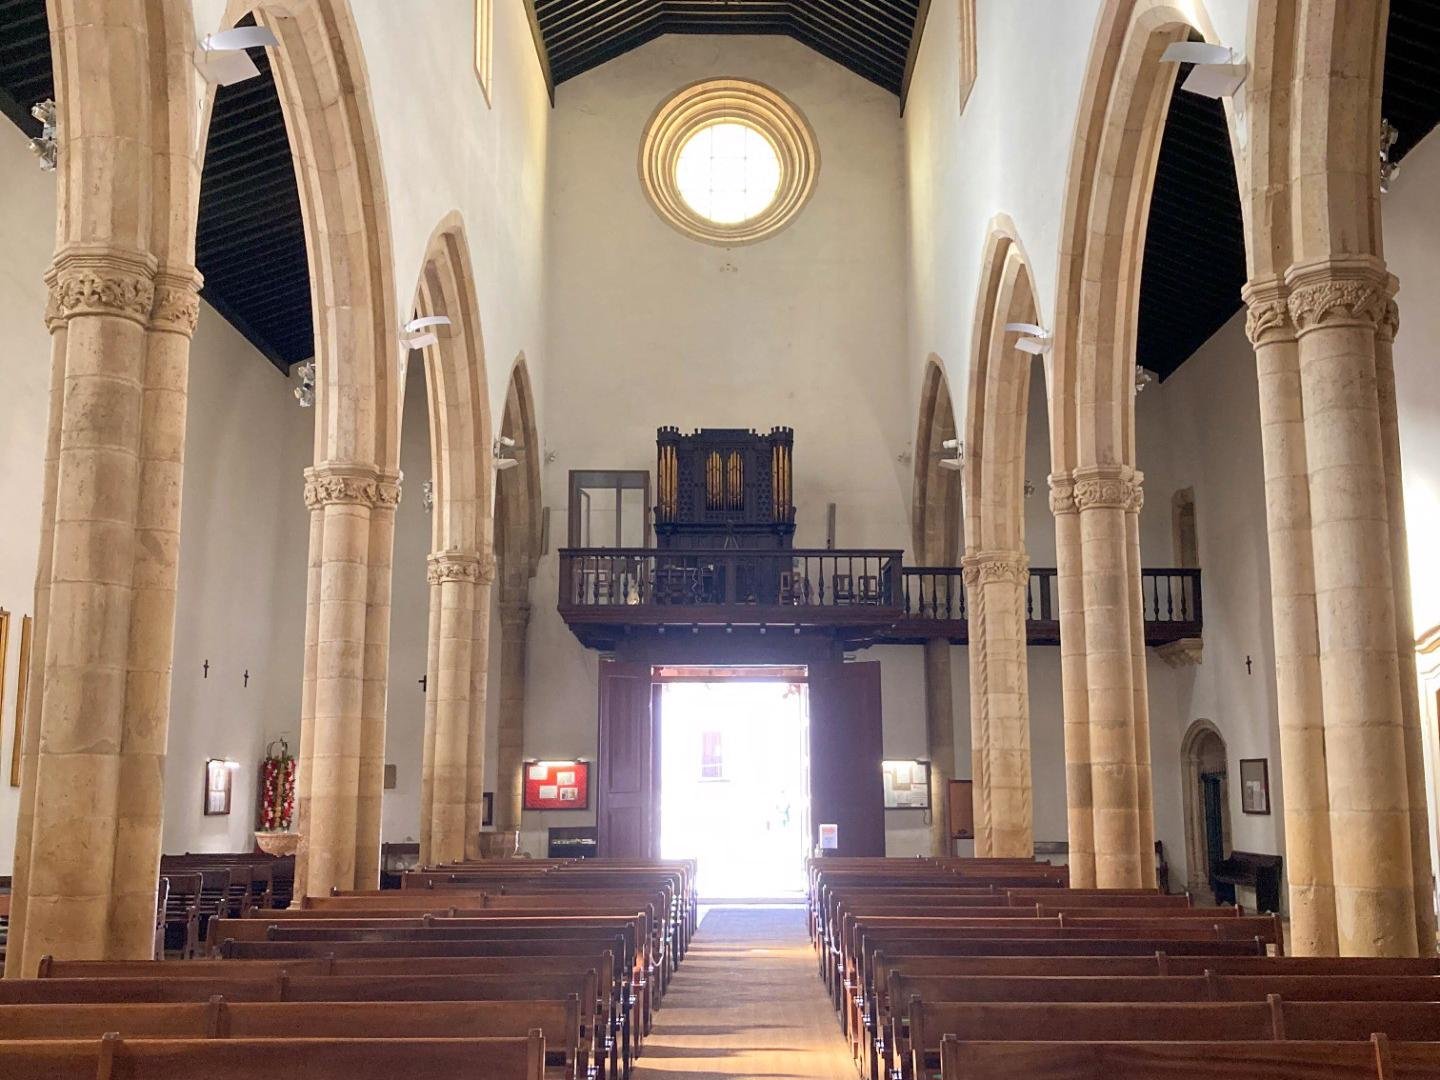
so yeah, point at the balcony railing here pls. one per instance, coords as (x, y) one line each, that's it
(1170, 600)
(863, 595)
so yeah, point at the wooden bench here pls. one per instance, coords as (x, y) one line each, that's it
(114, 1058)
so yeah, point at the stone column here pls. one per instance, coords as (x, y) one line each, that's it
(1079, 804)
(940, 737)
(1140, 686)
(1336, 306)
(427, 758)
(1405, 631)
(140, 812)
(371, 791)
(455, 574)
(514, 627)
(341, 498)
(478, 729)
(1103, 495)
(30, 750)
(105, 299)
(996, 584)
(1299, 699)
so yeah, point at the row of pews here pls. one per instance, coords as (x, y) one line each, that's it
(976, 969)
(195, 888)
(504, 968)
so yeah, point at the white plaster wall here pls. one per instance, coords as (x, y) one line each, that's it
(241, 595)
(27, 239)
(1200, 429)
(241, 600)
(648, 327)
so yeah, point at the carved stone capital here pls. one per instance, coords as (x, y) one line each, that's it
(444, 566)
(996, 567)
(514, 616)
(1112, 487)
(353, 485)
(1062, 494)
(101, 282)
(1389, 324)
(177, 302)
(1340, 292)
(387, 489)
(1267, 315)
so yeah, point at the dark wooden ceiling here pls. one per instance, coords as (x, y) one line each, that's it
(873, 38)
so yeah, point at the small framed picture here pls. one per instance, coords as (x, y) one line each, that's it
(218, 779)
(1255, 785)
(487, 809)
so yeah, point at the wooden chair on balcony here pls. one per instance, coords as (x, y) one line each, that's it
(842, 589)
(676, 585)
(869, 589)
(794, 588)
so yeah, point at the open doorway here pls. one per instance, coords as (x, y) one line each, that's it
(1207, 818)
(734, 783)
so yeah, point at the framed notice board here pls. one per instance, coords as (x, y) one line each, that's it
(960, 807)
(557, 785)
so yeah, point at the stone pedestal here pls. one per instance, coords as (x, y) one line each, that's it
(1079, 798)
(514, 627)
(940, 737)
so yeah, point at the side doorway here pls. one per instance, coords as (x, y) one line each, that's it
(1203, 758)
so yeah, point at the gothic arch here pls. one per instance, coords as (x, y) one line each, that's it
(1102, 243)
(999, 395)
(1202, 752)
(324, 93)
(936, 509)
(517, 492)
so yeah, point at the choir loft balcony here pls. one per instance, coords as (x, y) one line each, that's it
(860, 597)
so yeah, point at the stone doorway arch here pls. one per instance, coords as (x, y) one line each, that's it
(1203, 764)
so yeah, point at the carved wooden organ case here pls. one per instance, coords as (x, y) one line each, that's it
(725, 488)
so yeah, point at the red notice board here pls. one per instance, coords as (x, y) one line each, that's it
(557, 785)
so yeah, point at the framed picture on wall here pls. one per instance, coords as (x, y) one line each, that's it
(487, 809)
(218, 786)
(907, 784)
(1255, 785)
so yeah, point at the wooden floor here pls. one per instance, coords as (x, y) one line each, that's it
(747, 1002)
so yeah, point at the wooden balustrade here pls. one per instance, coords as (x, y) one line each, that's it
(866, 595)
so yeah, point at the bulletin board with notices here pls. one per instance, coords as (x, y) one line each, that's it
(557, 785)
(907, 785)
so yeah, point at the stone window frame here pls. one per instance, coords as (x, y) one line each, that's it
(744, 101)
(968, 52)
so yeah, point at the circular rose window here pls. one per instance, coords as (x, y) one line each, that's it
(728, 162)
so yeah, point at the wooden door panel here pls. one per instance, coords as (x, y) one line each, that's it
(625, 806)
(846, 785)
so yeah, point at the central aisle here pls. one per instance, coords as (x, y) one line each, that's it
(747, 1002)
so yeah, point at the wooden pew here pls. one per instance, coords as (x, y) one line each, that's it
(559, 1020)
(114, 1058)
(1378, 1059)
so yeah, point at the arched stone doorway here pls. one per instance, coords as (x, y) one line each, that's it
(1207, 806)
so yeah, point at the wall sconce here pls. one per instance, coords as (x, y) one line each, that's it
(502, 452)
(45, 147)
(956, 462)
(305, 392)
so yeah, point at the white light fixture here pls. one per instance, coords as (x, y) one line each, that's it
(305, 392)
(417, 333)
(1219, 70)
(427, 495)
(1143, 378)
(1034, 339)
(956, 462)
(45, 147)
(221, 59)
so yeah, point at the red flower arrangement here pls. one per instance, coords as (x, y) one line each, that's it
(277, 788)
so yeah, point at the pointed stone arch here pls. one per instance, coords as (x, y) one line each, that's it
(517, 548)
(997, 568)
(936, 507)
(461, 566)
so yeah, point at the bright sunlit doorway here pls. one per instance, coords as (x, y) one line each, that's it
(734, 784)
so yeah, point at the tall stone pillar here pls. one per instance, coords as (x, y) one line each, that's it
(348, 503)
(940, 738)
(140, 812)
(996, 585)
(479, 686)
(1079, 800)
(454, 575)
(427, 757)
(1416, 789)
(1299, 699)
(1103, 497)
(514, 627)
(1337, 306)
(1140, 686)
(371, 791)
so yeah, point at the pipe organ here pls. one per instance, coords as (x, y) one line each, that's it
(725, 488)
